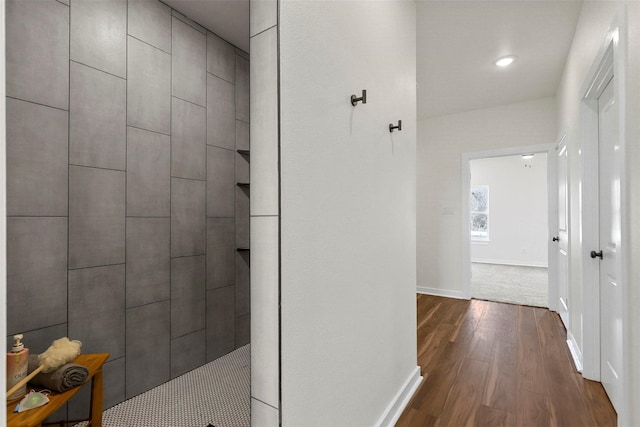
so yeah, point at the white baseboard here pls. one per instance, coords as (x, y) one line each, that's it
(516, 263)
(440, 292)
(576, 355)
(400, 400)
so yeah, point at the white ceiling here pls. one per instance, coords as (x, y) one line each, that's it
(458, 42)
(229, 19)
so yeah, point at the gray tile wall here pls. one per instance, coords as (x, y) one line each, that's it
(188, 140)
(148, 173)
(96, 217)
(123, 120)
(221, 252)
(148, 87)
(37, 165)
(188, 63)
(265, 212)
(42, 75)
(146, 368)
(99, 35)
(97, 104)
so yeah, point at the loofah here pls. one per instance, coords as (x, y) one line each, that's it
(60, 352)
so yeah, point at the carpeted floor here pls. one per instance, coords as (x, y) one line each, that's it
(217, 393)
(508, 283)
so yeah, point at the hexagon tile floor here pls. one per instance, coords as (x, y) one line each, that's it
(216, 394)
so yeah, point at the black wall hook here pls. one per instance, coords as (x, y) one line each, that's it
(398, 126)
(363, 98)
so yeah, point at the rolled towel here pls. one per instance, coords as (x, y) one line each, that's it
(62, 379)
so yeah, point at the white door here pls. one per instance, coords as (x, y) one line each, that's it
(608, 252)
(562, 238)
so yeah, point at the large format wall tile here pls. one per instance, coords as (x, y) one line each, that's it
(107, 181)
(221, 251)
(38, 71)
(148, 173)
(189, 63)
(243, 283)
(97, 309)
(220, 113)
(150, 21)
(148, 87)
(80, 405)
(37, 165)
(263, 15)
(221, 182)
(220, 322)
(243, 330)
(264, 124)
(38, 340)
(188, 217)
(221, 58)
(242, 168)
(148, 347)
(188, 21)
(242, 135)
(242, 88)
(148, 260)
(188, 140)
(36, 273)
(99, 35)
(187, 295)
(187, 353)
(96, 217)
(97, 118)
(242, 53)
(264, 309)
(242, 218)
(114, 383)
(263, 415)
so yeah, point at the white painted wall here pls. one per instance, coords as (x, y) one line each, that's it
(518, 214)
(348, 265)
(441, 142)
(595, 20)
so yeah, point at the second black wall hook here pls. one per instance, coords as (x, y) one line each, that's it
(363, 98)
(398, 126)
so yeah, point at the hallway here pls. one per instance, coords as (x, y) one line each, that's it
(487, 363)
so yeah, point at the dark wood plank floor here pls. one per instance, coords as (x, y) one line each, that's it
(494, 364)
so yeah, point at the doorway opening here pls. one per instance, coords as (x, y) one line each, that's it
(508, 196)
(509, 228)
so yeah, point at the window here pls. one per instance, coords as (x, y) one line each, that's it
(480, 213)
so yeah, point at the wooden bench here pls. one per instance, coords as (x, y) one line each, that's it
(34, 417)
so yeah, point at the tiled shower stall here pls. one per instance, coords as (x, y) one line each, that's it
(127, 188)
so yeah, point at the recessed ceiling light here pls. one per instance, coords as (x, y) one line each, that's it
(527, 156)
(505, 61)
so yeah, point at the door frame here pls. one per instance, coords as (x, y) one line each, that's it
(609, 63)
(554, 291)
(465, 214)
(572, 343)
